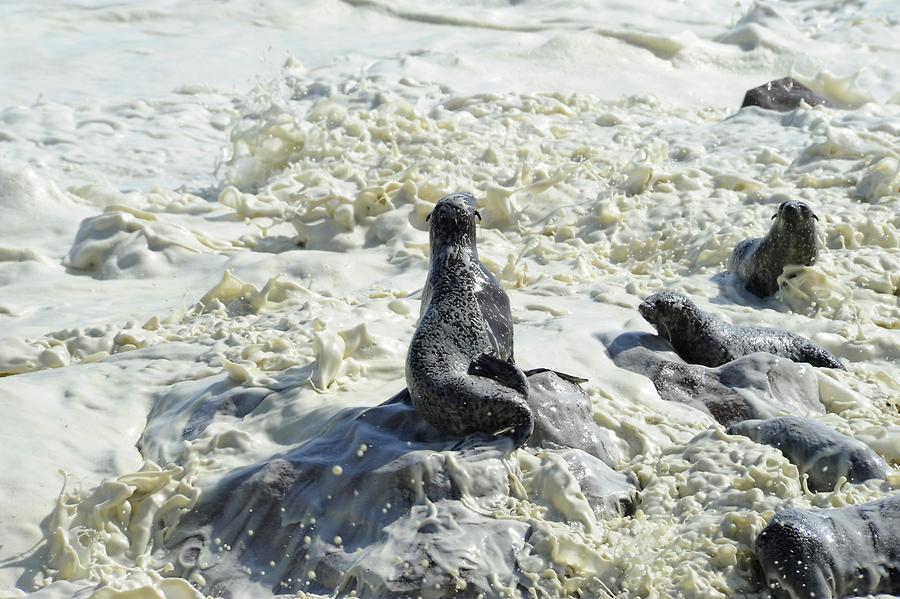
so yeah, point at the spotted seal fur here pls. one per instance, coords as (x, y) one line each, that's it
(791, 240)
(831, 553)
(460, 369)
(701, 338)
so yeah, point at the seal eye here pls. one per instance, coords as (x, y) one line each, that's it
(478, 215)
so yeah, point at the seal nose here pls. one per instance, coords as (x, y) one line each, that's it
(794, 212)
(645, 308)
(448, 210)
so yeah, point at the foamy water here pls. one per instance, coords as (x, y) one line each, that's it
(230, 199)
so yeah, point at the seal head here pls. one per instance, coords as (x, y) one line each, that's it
(793, 217)
(668, 311)
(453, 223)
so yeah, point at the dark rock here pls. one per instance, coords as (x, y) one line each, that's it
(782, 95)
(609, 493)
(563, 417)
(384, 504)
(759, 385)
(237, 402)
(816, 449)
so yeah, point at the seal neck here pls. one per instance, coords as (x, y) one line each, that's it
(454, 241)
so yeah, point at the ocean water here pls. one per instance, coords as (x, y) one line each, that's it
(223, 204)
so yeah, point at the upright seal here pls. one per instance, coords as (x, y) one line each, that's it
(701, 338)
(460, 370)
(791, 240)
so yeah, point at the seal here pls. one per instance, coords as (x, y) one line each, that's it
(791, 240)
(782, 95)
(460, 368)
(817, 450)
(701, 338)
(827, 554)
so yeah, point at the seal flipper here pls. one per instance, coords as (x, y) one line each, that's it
(566, 377)
(501, 371)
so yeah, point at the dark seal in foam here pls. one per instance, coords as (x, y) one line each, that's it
(701, 338)
(791, 240)
(460, 370)
(827, 554)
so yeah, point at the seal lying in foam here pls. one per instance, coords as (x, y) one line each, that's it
(821, 452)
(759, 385)
(782, 95)
(791, 240)
(460, 368)
(832, 553)
(701, 338)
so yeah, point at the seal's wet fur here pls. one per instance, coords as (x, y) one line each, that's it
(831, 553)
(460, 369)
(701, 338)
(791, 240)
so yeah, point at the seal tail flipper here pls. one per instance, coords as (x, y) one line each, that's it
(566, 377)
(823, 358)
(492, 367)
